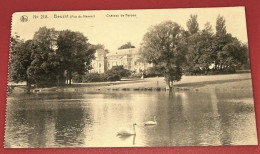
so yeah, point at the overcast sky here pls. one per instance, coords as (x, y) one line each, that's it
(116, 31)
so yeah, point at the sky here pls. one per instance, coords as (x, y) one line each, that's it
(113, 28)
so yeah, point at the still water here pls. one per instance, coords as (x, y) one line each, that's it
(91, 119)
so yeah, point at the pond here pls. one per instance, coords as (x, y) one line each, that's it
(92, 118)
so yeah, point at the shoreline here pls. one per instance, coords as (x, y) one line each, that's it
(194, 83)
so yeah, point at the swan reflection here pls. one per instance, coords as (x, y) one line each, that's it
(127, 137)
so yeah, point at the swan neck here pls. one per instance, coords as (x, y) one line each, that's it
(134, 129)
(154, 119)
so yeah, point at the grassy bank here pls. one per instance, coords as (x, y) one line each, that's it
(231, 81)
(225, 82)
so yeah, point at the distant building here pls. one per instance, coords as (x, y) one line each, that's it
(129, 58)
(99, 65)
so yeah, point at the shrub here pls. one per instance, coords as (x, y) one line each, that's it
(210, 72)
(89, 77)
(77, 78)
(136, 75)
(116, 73)
(93, 77)
(153, 72)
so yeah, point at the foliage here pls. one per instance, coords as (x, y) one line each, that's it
(199, 51)
(95, 77)
(41, 69)
(210, 53)
(192, 24)
(20, 60)
(153, 72)
(126, 46)
(77, 78)
(174, 51)
(135, 76)
(229, 52)
(89, 77)
(164, 45)
(53, 57)
(74, 52)
(173, 74)
(99, 46)
(116, 73)
(220, 26)
(49, 56)
(233, 55)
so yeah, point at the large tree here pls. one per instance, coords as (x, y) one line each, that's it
(41, 70)
(192, 24)
(20, 60)
(116, 73)
(200, 53)
(233, 55)
(221, 25)
(75, 53)
(50, 56)
(221, 39)
(164, 45)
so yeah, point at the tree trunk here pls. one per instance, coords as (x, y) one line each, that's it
(28, 86)
(69, 77)
(169, 85)
(58, 80)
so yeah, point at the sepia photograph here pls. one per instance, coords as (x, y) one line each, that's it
(130, 78)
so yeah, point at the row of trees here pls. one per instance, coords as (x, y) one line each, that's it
(57, 58)
(174, 50)
(53, 57)
(50, 58)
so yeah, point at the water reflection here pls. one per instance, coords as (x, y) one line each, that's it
(91, 119)
(127, 139)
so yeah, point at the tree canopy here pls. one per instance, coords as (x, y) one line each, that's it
(174, 51)
(50, 58)
(126, 46)
(74, 52)
(215, 53)
(53, 57)
(192, 24)
(164, 45)
(20, 59)
(116, 73)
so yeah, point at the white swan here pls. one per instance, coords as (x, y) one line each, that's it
(127, 131)
(151, 122)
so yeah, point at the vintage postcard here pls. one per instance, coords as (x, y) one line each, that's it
(130, 78)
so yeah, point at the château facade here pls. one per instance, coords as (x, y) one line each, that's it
(129, 58)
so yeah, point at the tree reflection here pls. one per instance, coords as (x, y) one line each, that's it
(69, 126)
